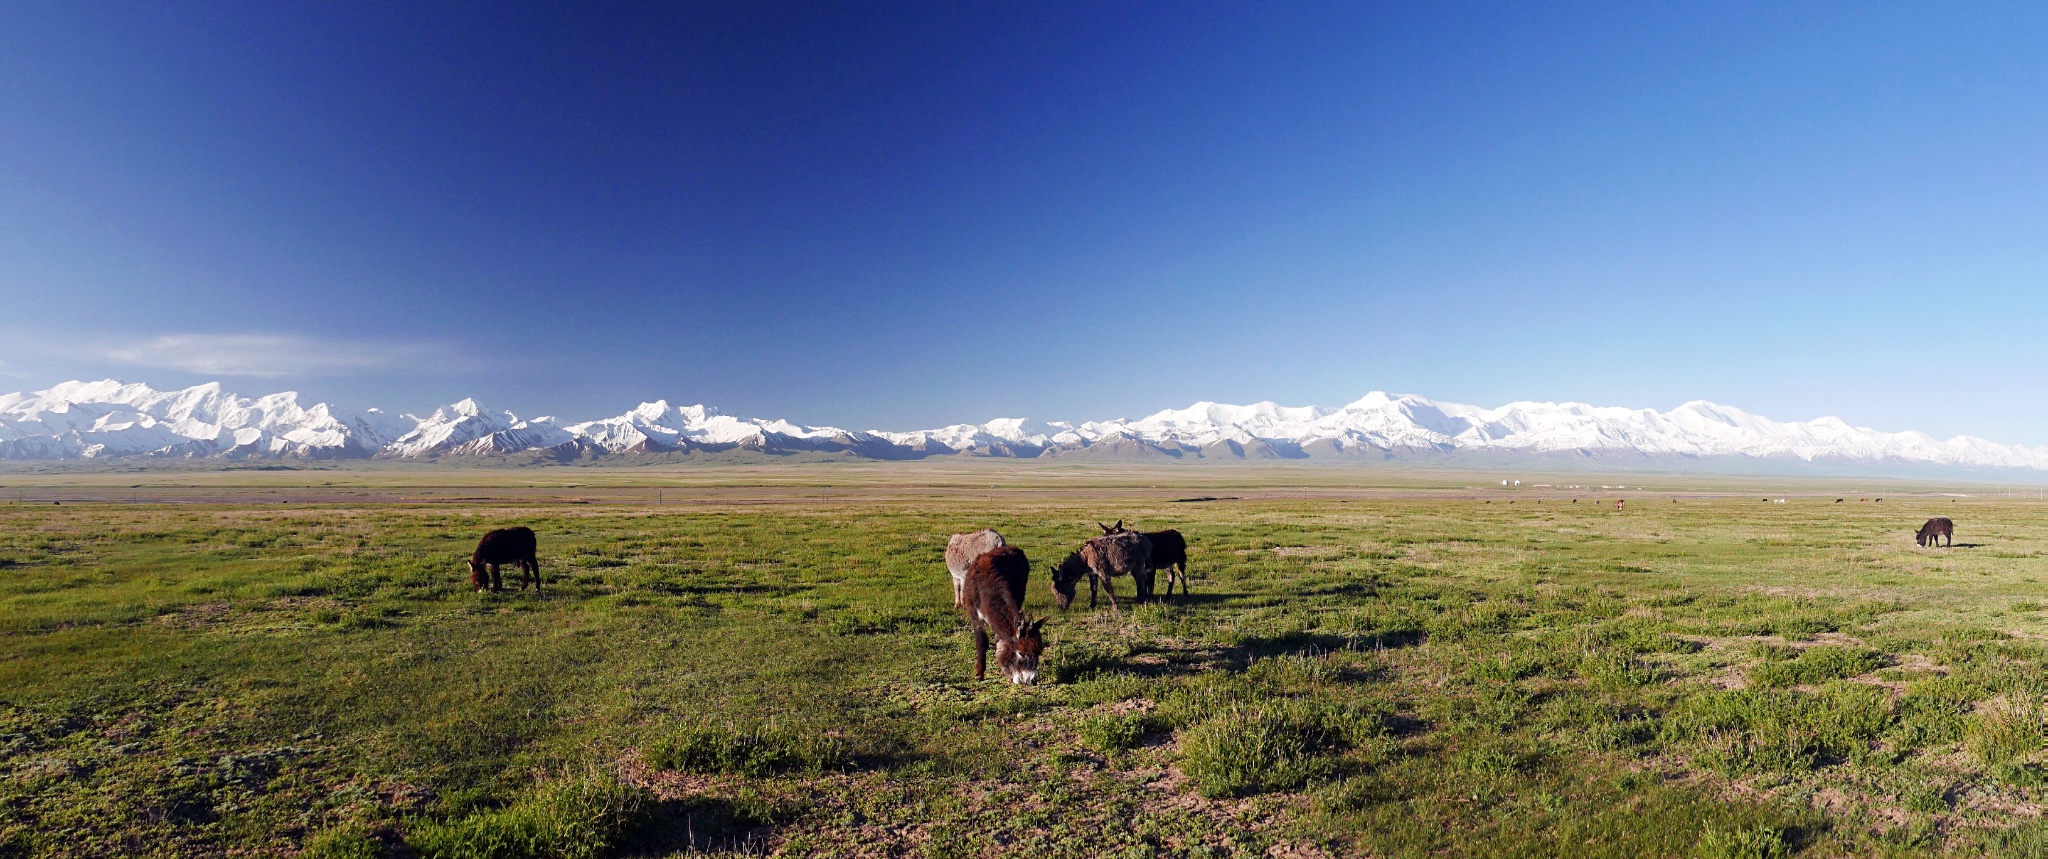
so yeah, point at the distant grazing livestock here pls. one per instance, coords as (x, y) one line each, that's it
(505, 546)
(1124, 554)
(1620, 503)
(1838, 501)
(1169, 553)
(994, 596)
(961, 550)
(1935, 529)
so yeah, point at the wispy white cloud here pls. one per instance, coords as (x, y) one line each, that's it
(272, 355)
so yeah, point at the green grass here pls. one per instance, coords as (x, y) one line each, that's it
(574, 818)
(1270, 747)
(772, 669)
(752, 750)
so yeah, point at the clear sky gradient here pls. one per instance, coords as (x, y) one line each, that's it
(897, 215)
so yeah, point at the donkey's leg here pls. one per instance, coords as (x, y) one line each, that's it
(980, 651)
(1109, 587)
(1091, 591)
(497, 581)
(536, 573)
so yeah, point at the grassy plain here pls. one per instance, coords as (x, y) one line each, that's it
(1373, 663)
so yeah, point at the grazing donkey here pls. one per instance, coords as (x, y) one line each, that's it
(961, 550)
(1935, 529)
(1169, 553)
(994, 603)
(1123, 554)
(505, 546)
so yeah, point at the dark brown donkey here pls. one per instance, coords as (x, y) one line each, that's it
(1935, 529)
(1169, 553)
(1101, 559)
(994, 596)
(505, 546)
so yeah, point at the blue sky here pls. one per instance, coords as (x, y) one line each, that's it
(897, 215)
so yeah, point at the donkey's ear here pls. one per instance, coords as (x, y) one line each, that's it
(1105, 528)
(1119, 524)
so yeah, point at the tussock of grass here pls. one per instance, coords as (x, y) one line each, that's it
(1816, 665)
(343, 842)
(1110, 733)
(755, 750)
(1765, 730)
(579, 818)
(2006, 736)
(1755, 842)
(1277, 746)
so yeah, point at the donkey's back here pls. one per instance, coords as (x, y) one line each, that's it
(999, 571)
(962, 549)
(505, 545)
(1125, 553)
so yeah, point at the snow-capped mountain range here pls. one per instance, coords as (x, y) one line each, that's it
(92, 420)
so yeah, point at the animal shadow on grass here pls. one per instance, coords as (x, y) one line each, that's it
(1081, 662)
(674, 589)
(703, 824)
(1262, 646)
(1343, 589)
(1185, 600)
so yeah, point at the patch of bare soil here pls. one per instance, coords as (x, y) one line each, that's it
(196, 616)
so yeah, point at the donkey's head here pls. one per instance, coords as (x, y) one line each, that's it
(1920, 536)
(1019, 659)
(477, 577)
(1118, 528)
(1064, 575)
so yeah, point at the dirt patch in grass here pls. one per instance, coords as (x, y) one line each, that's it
(196, 616)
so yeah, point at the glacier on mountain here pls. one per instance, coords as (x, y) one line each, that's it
(108, 418)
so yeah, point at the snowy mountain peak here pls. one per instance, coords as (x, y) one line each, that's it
(466, 407)
(109, 418)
